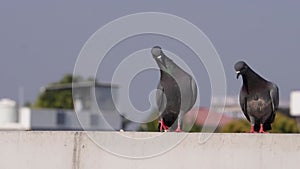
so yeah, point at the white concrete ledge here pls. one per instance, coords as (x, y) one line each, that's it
(143, 150)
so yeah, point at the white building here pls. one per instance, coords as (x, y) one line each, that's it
(95, 109)
(295, 103)
(231, 108)
(9, 115)
(62, 119)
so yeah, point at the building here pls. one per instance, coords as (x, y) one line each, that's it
(94, 105)
(294, 103)
(9, 115)
(230, 109)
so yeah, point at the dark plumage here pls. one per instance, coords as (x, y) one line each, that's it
(259, 98)
(168, 100)
(179, 89)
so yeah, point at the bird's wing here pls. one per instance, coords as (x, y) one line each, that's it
(274, 94)
(194, 92)
(160, 99)
(243, 103)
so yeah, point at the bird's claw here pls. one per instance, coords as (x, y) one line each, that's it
(252, 129)
(163, 127)
(178, 130)
(261, 130)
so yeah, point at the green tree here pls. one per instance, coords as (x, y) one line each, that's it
(57, 98)
(27, 104)
(151, 126)
(236, 126)
(191, 128)
(284, 124)
(281, 124)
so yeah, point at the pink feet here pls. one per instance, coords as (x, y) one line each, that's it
(163, 127)
(261, 129)
(178, 129)
(252, 129)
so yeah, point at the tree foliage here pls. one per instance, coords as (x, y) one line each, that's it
(236, 126)
(150, 127)
(282, 124)
(57, 98)
(191, 128)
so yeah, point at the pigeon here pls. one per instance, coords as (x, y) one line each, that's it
(177, 91)
(259, 98)
(168, 101)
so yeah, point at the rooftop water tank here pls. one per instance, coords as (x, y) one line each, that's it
(8, 111)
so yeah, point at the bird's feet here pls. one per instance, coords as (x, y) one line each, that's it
(178, 129)
(252, 129)
(264, 132)
(261, 129)
(163, 127)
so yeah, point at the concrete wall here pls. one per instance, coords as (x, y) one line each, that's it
(132, 150)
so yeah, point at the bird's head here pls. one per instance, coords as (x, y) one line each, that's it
(240, 68)
(159, 56)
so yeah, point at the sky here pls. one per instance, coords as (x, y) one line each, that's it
(41, 40)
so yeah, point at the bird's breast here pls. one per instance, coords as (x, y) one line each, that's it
(258, 106)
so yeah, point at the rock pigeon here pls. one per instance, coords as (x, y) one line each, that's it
(259, 98)
(178, 91)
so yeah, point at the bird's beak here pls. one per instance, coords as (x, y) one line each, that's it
(238, 73)
(161, 59)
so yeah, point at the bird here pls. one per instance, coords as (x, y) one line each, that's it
(259, 98)
(177, 91)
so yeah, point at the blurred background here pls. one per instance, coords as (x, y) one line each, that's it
(41, 40)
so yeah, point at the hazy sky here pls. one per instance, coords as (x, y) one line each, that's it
(40, 41)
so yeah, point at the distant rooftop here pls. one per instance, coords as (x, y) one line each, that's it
(68, 86)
